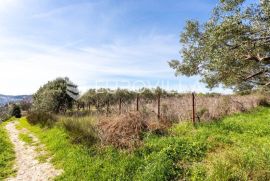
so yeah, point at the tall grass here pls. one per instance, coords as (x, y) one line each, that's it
(7, 154)
(81, 129)
(208, 107)
(235, 148)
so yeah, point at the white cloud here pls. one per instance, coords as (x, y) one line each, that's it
(28, 65)
(7, 5)
(24, 70)
(38, 44)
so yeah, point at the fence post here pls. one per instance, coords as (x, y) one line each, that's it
(107, 110)
(193, 109)
(120, 105)
(158, 106)
(137, 103)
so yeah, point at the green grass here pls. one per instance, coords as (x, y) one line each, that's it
(234, 148)
(26, 138)
(7, 154)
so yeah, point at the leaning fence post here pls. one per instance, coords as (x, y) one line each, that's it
(158, 106)
(193, 108)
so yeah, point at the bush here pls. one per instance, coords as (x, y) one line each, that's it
(38, 117)
(82, 130)
(16, 111)
(263, 101)
(122, 131)
(126, 130)
(4, 117)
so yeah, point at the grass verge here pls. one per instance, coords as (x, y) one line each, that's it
(234, 148)
(7, 154)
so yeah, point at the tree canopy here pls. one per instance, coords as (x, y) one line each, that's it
(16, 111)
(232, 48)
(55, 96)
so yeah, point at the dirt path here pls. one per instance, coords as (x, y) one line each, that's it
(27, 166)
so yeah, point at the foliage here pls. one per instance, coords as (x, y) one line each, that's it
(4, 113)
(25, 105)
(42, 118)
(7, 154)
(235, 148)
(81, 129)
(103, 98)
(55, 96)
(232, 48)
(16, 111)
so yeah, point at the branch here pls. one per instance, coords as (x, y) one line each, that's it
(262, 38)
(258, 58)
(250, 57)
(265, 59)
(267, 84)
(256, 74)
(232, 47)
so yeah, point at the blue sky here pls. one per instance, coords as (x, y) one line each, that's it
(96, 43)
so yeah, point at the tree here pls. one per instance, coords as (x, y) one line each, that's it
(16, 111)
(55, 96)
(232, 48)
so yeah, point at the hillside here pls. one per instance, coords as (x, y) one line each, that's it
(4, 99)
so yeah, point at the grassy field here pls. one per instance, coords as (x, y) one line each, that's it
(234, 148)
(7, 155)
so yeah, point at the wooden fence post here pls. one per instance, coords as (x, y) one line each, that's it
(137, 103)
(120, 105)
(108, 106)
(158, 106)
(193, 109)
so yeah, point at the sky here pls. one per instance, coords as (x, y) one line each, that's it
(96, 43)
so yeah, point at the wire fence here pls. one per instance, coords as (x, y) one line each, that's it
(192, 106)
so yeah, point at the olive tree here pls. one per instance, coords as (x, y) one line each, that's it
(232, 48)
(55, 96)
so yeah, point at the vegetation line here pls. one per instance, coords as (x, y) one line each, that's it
(7, 154)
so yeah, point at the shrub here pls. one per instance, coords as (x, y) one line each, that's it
(126, 130)
(81, 129)
(122, 131)
(4, 117)
(16, 111)
(4, 113)
(263, 101)
(42, 118)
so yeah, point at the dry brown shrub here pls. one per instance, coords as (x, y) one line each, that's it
(125, 131)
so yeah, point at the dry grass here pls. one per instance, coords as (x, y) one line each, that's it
(126, 130)
(208, 107)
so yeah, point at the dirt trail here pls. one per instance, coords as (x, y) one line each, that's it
(27, 166)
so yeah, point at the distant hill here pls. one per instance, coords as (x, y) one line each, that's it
(4, 99)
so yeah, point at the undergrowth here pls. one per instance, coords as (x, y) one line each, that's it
(234, 148)
(7, 154)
